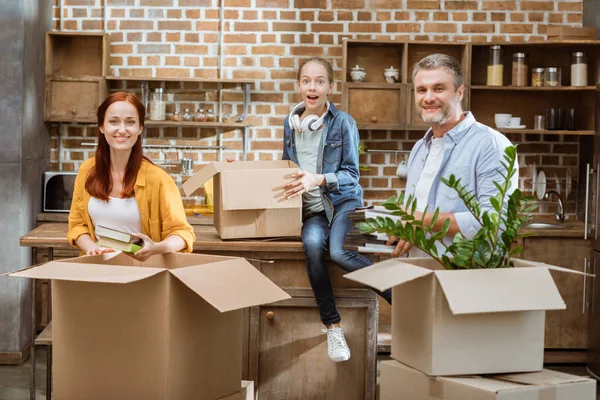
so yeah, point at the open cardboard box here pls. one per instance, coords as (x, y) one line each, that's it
(477, 321)
(398, 381)
(166, 329)
(248, 198)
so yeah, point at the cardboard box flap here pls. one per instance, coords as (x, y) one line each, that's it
(387, 274)
(244, 190)
(528, 263)
(543, 378)
(71, 271)
(230, 285)
(500, 290)
(204, 174)
(486, 383)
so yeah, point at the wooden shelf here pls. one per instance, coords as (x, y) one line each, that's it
(176, 79)
(373, 85)
(193, 124)
(380, 127)
(531, 88)
(547, 132)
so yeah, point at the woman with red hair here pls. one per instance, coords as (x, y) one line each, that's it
(121, 189)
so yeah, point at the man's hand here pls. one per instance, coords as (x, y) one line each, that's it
(402, 246)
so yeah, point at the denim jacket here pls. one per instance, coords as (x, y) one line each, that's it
(337, 161)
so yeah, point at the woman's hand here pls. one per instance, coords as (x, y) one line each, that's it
(98, 250)
(302, 183)
(150, 248)
(402, 246)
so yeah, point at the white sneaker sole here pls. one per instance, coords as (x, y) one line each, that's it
(339, 359)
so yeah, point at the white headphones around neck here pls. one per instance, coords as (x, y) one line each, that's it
(309, 124)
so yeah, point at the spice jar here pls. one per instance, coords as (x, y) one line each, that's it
(200, 116)
(579, 69)
(226, 118)
(187, 117)
(210, 116)
(520, 70)
(537, 77)
(552, 76)
(157, 106)
(495, 68)
(176, 116)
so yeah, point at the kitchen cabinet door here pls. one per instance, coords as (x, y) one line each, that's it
(593, 355)
(74, 100)
(565, 329)
(288, 352)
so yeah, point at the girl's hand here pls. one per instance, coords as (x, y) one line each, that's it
(302, 183)
(150, 248)
(98, 250)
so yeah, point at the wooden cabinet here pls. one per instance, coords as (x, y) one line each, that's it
(288, 352)
(76, 67)
(375, 105)
(74, 100)
(565, 329)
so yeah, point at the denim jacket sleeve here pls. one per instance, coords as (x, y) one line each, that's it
(286, 128)
(348, 172)
(489, 168)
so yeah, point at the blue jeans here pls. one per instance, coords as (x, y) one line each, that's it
(317, 237)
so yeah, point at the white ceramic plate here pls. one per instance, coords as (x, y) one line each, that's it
(540, 189)
(514, 127)
(557, 183)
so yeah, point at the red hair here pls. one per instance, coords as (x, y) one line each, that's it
(99, 182)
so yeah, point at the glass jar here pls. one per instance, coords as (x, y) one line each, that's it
(187, 117)
(211, 116)
(226, 118)
(537, 77)
(520, 70)
(176, 117)
(200, 116)
(495, 68)
(157, 106)
(579, 69)
(552, 76)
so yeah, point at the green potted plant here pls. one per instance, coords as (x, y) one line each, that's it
(491, 247)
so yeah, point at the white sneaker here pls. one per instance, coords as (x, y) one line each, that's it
(337, 348)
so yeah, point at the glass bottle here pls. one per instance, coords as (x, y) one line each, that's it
(495, 68)
(187, 117)
(537, 77)
(200, 116)
(157, 106)
(552, 76)
(210, 116)
(176, 117)
(579, 69)
(520, 70)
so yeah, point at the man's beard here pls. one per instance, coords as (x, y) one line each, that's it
(440, 119)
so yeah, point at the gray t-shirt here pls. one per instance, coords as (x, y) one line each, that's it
(307, 150)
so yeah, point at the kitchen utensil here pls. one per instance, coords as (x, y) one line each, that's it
(540, 190)
(568, 184)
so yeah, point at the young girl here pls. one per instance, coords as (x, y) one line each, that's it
(323, 141)
(121, 189)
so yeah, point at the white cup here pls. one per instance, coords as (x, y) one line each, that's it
(513, 122)
(501, 120)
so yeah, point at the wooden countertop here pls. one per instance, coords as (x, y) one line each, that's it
(54, 234)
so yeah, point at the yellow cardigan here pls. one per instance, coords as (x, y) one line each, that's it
(157, 196)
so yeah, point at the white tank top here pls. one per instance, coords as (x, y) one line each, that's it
(120, 214)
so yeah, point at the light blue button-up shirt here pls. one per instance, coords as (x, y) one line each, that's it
(473, 152)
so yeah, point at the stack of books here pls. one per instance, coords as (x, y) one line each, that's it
(118, 240)
(368, 243)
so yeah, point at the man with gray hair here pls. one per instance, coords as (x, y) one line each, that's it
(455, 144)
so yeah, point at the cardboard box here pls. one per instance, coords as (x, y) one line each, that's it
(400, 382)
(462, 322)
(570, 32)
(166, 329)
(247, 392)
(248, 199)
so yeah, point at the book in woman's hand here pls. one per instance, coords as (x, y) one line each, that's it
(118, 240)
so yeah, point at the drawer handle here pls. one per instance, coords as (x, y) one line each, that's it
(73, 111)
(270, 315)
(374, 119)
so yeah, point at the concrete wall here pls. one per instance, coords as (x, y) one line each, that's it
(24, 154)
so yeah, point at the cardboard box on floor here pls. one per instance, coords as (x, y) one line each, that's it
(462, 322)
(399, 382)
(247, 392)
(169, 328)
(248, 199)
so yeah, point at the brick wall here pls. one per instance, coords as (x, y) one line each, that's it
(264, 40)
